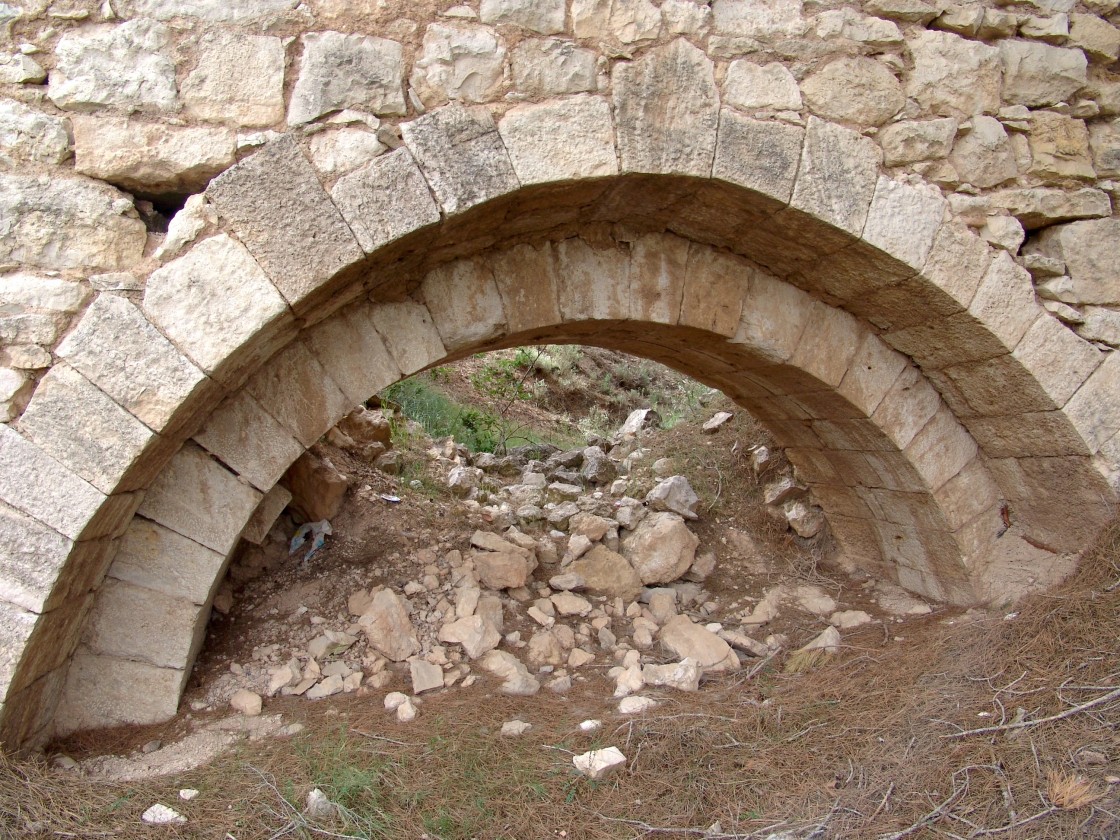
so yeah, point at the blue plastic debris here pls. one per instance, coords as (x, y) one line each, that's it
(314, 532)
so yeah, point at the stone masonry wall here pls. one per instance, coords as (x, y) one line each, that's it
(983, 137)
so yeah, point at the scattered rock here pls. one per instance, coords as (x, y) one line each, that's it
(388, 628)
(513, 728)
(247, 702)
(598, 764)
(683, 675)
(162, 815)
(681, 637)
(674, 494)
(635, 705)
(319, 806)
(516, 678)
(661, 548)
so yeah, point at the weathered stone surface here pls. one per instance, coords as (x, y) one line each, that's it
(96, 688)
(904, 219)
(1090, 250)
(853, 90)
(409, 334)
(266, 514)
(20, 69)
(686, 17)
(762, 19)
(387, 626)
(162, 560)
(562, 140)
(604, 572)
(237, 79)
(750, 86)
(349, 346)
(544, 16)
(281, 212)
(34, 292)
(760, 155)
(661, 548)
(517, 681)
(676, 495)
(344, 150)
(67, 223)
(461, 63)
(385, 200)
(848, 24)
(131, 622)
(216, 11)
(32, 556)
(212, 300)
(1104, 140)
(295, 389)
(250, 441)
(837, 176)
(1059, 147)
(462, 156)
(425, 676)
(474, 633)
(100, 443)
(125, 66)
(116, 348)
(318, 489)
(1098, 38)
(552, 67)
(464, 301)
(913, 140)
(504, 569)
(1038, 207)
(27, 135)
(627, 21)
(666, 111)
(1037, 74)
(954, 76)
(198, 498)
(686, 640)
(983, 156)
(347, 71)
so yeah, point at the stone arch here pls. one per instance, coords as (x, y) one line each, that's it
(870, 264)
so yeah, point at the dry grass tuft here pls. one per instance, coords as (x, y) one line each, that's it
(1069, 791)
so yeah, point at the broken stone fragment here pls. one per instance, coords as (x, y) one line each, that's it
(686, 640)
(476, 635)
(661, 548)
(246, 702)
(683, 675)
(388, 628)
(425, 676)
(601, 572)
(598, 764)
(674, 494)
(516, 678)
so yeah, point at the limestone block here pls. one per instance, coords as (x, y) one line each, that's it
(907, 407)
(591, 284)
(828, 344)
(569, 139)
(277, 207)
(131, 622)
(20, 69)
(627, 21)
(762, 19)
(149, 157)
(464, 302)
(1005, 301)
(78, 425)
(124, 66)
(1098, 38)
(462, 156)
(459, 63)
(40, 486)
(68, 223)
(552, 67)
(29, 721)
(116, 348)
(159, 559)
(23, 292)
(716, 284)
(385, 200)
(318, 489)
(388, 627)
(774, 318)
(657, 278)
(295, 389)
(909, 141)
(348, 345)
(1029, 433)
(661, 548)
(853, 90)
(16, 628)
(686, 17)
(941, 449)
(1037, 74)
(30, 136)
(528, 281)
(1090, 250)
(198, 498)
(266, 514)
(953, 76)
(749, 86)
(340, 71)
(215, 11)
(903, 220)
(337, 152)
(104, 691)
(874, 369)
(34, 645)
(983, 156)
(1056, 357)
(916, 510)
(667, 111)
(759, 155)
(1104, 140)
(1095, 409)
(837, 176)
(544, 16)
(1038, 207)
(249, 440)
(852, 26)
(409, 334)
(237, 79)
(213, 301)
(1059, 147)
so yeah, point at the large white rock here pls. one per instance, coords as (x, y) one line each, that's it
(601, 572)
(552, 67)
(148, 157)
(908, 141)
(953, 75)
(347, 71)
(517, 680)
(598, 764)
(68, 223)
(984, 156)
(557, 141)
(1037, 74)
(464, 63)
(27, 135)
(686, 640)
(544, 16)
(661, 548)
(217, 11)
(758, 18)
(476, 635)
(388, 628)
(676, 495)
(237, 79)
(126, 66)
(1091, 250)
(683, 675)
(750, 86)
(854, 90)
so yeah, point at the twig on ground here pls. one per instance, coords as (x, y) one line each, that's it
(986, 730)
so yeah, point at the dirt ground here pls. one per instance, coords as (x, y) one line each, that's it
(876, 741)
